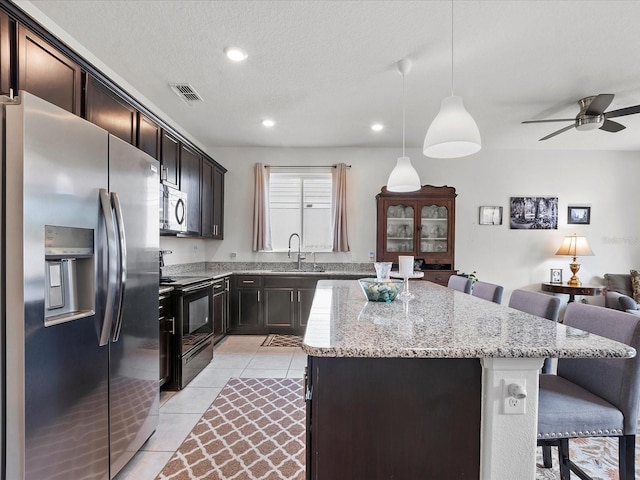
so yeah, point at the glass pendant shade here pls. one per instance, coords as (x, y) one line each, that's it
(403, 177)
(453, 133)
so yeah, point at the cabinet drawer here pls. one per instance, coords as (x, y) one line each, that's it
(164, 305)
(248, 281)
(219, 286)
(291, 282)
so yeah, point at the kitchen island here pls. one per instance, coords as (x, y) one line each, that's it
(415, 390)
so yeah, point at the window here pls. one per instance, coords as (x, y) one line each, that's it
(300, 203)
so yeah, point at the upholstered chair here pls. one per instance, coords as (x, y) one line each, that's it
(593, 397)
(462, 284)
(488, 291)
(542, 305)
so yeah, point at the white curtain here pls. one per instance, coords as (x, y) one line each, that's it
(261, 221)
(340, 239)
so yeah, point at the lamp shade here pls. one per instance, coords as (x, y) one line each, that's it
(453, 133)
(575, 246)
(403, 177)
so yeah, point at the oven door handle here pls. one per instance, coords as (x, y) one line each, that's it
(197, 287)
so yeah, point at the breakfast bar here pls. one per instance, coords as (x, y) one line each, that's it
(418, 388)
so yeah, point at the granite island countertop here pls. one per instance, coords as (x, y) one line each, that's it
(438, 322)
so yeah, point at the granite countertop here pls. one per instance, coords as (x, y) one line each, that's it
(219, 273)
(277, 269)
(438, 322)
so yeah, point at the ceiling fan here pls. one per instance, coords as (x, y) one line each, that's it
(592, 115)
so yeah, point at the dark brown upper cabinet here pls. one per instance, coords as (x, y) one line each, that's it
(47, 73)
(207, 229)
(5, 54)
(190, 164)
(212, 200)
(170, 160)
(218, 203)
(108, 110)
(149, 136)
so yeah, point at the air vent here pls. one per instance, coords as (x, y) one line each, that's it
(186, 92)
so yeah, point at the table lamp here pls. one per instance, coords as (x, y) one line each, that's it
(574, 246)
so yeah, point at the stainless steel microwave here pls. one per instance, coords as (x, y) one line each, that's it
(173, 210)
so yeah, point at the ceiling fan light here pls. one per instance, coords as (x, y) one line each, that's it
(589, 123)
(453, 133)
(403, 177)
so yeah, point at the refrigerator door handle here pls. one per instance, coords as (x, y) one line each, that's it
(112, 266)
(122, 267)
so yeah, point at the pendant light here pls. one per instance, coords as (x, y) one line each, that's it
(453, 133)
(403, 177)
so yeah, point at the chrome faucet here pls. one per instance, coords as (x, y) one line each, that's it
(289, 252)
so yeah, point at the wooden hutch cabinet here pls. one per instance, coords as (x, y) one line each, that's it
(421, 224)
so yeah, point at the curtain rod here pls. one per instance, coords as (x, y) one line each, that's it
(303, 166)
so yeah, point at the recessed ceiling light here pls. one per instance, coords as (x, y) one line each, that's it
(376, 127)
(267, 122)
(236, 54)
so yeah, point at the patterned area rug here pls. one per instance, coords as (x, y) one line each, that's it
(254, 429)
(282, 341)
(598, 457)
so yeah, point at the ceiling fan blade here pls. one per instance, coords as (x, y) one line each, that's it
(557, 132)
(551, 120)
(623, 111)
(599, 104)
(611, 126)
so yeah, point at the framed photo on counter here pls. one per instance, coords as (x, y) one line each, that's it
(556, 275)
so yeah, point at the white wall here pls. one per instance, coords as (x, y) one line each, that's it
(608, 181)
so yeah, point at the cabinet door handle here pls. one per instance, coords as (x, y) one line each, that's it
(248, 281)
(298, 296)
(258, 295)
(173, 325)
(291, 296)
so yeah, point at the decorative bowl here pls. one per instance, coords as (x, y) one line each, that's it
(381, 290)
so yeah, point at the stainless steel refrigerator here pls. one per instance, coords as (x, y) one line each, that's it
(80, 302)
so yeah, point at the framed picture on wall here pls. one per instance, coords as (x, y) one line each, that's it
(534, 213)
(490, 216)
(556, 275)
(579, 215)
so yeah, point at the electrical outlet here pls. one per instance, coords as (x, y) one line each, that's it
(234, 254)
(372, 256)
(514, 396)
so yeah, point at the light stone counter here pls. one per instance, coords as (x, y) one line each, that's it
(438, 358)
(438, 323)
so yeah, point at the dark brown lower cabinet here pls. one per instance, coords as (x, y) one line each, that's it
(272, 303)
(167, 326)
(220, 308)
(399, 418)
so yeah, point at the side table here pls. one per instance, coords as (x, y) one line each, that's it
(573, 290)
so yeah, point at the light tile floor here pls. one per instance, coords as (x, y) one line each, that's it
(235, 356)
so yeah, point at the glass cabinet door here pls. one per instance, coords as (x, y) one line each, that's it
(434, 223)
(400, 228)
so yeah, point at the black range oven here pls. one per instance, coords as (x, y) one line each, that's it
(193, 338)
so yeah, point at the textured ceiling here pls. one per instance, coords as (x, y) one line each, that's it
(326, 70)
